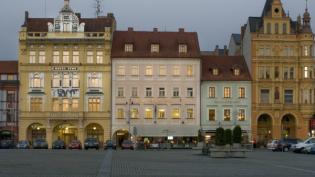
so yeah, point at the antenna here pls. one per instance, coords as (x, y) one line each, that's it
(98, 7)
(45, 8)
(306, 4)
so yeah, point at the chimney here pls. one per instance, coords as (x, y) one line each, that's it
(155, 30)
(181, 30)
(110, 15)
(243, 28)
(66, 2)
(130, 29)
(78, 15)
(26, 17)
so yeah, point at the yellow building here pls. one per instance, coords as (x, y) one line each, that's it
(279, 53)
(65, 75)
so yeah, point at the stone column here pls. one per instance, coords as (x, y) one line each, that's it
(81, 135)
(49, 137)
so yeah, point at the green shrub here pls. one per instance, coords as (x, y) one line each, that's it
(237, 134)
(228, 136)
(219, 137)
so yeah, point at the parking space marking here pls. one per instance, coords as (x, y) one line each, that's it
(105, 170)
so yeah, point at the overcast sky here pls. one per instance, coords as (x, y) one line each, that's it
(214, 20)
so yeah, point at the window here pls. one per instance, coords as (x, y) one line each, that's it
(190, 113)
(66, 80)
(288, 73)
(134, 113)
(288, 51)
(75, 80)
(176, 70)
(99, 57)
(227, 115)
(36, 81)
(211, 92)
(175, 113)
(120, 92)
(75, 104)
(241, 115)
(284, 28)
(94, 105)
(211, 114)
(155, 48)
(95, 80)
(264, 96)
(56, 106)
(241, 92)
(306, 51)
(161, 92)
(227, 92)
(90, 57)
(120, 113)
(32, 57)
(56, 57)
(148, 70)
(190, 71)
(268, 28)
(75, 57)
(134, 92)
(307, 73)
(121, 71)
(264, 72)
(65, 105)
(175, 92)
(65, 57)
(277, 28)
(237, 72)
(277, 72)
(4, 77)
(36, 104)
(161, 113)
(148, 113)
(134, 70)
(128, 47)
(42, 57)
(182, 48)
(288, 96)
(215, 72)
(148, 92)
(56, 81)
(162, 70)
(190, 92)
(12, 77)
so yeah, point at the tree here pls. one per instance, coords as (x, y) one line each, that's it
(219, 137)
(228, 136)
(237, 134)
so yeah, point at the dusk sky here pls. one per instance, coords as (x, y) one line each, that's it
(214, 20)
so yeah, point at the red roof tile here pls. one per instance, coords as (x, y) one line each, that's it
(8, 67)
(168, 44)
(226, 66)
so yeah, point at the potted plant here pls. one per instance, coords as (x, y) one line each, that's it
(219, 137)
(237, 136)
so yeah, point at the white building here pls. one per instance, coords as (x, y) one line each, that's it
(155, 86)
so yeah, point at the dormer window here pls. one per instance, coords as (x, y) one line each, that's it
(182, 48)
(215, 71)
(155, 48)
(128, 47)
(237, 72)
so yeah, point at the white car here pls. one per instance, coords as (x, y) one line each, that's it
(300, 146)
(272, 145)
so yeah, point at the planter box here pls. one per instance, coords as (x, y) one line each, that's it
(227, 152)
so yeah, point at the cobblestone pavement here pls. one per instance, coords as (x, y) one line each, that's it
(168, 163)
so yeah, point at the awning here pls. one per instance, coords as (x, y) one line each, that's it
(166, 130)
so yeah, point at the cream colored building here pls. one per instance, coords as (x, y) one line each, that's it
(65, 76)
(278, 51)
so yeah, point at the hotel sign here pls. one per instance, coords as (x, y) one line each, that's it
(64, 68)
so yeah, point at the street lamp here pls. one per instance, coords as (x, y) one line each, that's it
(129, 118)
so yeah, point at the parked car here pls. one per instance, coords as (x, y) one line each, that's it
(300, 146)
(24, 144)
(272, 144)
(127, 144)
(285, 144)
(7, 144)
(40, 144)
(154, 146)
(75, 144)
(312, 151)
(109, 144)
(91, 143)
(59, 144)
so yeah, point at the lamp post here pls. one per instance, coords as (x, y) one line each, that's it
(129, 118)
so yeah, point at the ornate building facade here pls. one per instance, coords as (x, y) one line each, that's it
(278, 51)
(65, 75)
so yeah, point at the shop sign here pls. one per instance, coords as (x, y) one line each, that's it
(64, 68)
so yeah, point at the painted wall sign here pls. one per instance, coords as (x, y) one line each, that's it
(64, 68)
(63, 92)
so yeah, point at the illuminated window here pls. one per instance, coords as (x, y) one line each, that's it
(190, 113)
(176, 70)
(90, 57)
(56, 106)
(307, 72)
(121, 71)
(175, 113)
(95, 80)
(182, 48)
(56, 81)
(42, 57)
(241, 92)
(211, 92)
(227, 92)
(155, 48)
(134, 113)
(36, 104)
(306, 51)
(75, 104)
(161, 113)
(75, 57)
(37, 81)
(190, 71)
(134, 70)
(227, 115)
(128, 47)
(65, 57)
(241, 115)
(215, 72)
(75, 80)
(66, 80)
(148, 70)
(99, 57)
(56, 57)
(94, 105)
(65, 105)
(120, 113)
(32, 57)
(162, 70)
(237, 72)
(211, 114)
(148, 113)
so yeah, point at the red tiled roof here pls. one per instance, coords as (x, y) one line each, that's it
(8, 67)
(226, 66)
(168, 44)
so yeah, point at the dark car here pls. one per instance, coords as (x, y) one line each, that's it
(7, 144)
(109, 144)
(286, 144)
(24, 144)
(91, 143)
(59, 144)
(75, 144)
(127, 144)
(40, 144)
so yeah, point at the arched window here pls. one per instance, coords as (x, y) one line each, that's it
(284, 28)
(36, 81)
(268, 28)
(277, 28)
